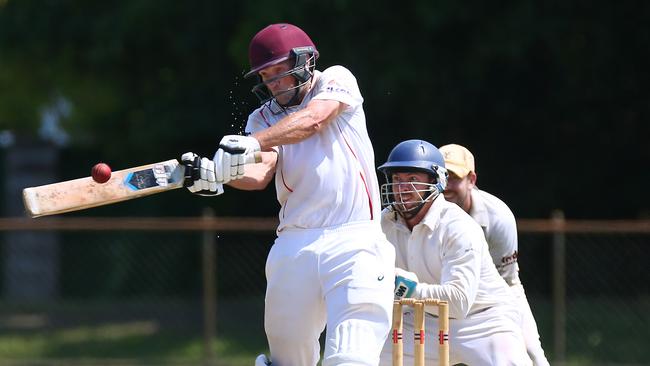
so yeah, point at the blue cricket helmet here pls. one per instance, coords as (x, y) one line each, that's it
(414, 155)
(410, 156)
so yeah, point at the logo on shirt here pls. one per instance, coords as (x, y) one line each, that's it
(510, 259)
(334, 87)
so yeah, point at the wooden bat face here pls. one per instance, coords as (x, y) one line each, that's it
(82, 193)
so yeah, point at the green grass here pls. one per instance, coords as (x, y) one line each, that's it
(128, 343)
(600, 331)
(98, 333)
(605, 330)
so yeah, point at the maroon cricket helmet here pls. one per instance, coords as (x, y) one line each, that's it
(277, 43)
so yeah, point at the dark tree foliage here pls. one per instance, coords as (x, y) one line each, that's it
(552, 97)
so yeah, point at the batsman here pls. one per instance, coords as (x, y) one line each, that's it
(330, 266)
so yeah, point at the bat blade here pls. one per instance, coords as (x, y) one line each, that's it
(83, 193)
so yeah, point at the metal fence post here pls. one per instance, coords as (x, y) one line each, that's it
(208, 259)
(559, 286)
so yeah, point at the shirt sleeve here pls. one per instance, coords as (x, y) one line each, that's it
(257, 121)
(338, 83)
(461, 251)
(503, 247)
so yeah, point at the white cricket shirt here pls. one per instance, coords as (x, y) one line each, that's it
(448, 253)
(500, 228)
(329, 178)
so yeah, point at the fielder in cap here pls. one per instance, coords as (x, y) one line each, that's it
(330, 265)
(498, 224)
(441, 253)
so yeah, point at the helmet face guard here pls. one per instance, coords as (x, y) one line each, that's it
(303, 71)
(406, 198)
(413, 156)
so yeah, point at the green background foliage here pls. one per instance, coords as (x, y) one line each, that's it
(551, 96)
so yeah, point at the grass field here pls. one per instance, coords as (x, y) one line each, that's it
(120, 346)
(133, 334)
(599, 332)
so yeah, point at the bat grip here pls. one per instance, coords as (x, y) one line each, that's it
(191, 172)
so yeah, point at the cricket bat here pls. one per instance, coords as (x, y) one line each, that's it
(127, 184)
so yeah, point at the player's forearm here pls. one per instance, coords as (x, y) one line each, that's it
(290, 130)
(300, 125)
(259, 175)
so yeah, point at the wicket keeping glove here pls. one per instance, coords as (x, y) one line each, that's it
(200, 175)
(405, 284)
(232, 154)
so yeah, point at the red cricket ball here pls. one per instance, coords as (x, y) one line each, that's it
(101, 173)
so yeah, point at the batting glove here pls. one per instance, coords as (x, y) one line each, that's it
(232, 156)
(200, 177)
(238, 144)
(405, 283)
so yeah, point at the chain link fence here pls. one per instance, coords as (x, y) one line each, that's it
(191, 291)
(587, 286)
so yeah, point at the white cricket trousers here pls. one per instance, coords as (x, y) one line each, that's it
(342, 277)
(529, 328)
(489, 337)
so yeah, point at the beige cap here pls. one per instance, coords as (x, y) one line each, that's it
(458, 159)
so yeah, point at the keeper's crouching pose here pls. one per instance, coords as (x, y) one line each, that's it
(441, 253)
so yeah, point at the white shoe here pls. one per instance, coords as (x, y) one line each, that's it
(262, 360)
